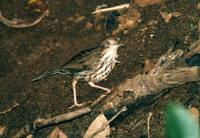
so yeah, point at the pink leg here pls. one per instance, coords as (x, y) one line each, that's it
(99, 87)
(74, 82)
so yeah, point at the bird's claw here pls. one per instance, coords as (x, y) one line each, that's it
(108, 91)
(76, 105)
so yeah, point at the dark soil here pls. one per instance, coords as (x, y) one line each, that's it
(26, 53)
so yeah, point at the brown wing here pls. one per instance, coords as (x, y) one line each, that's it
(85, 60)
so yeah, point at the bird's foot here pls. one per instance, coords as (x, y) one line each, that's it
(108, 91)
(77, 105)
(99, 99)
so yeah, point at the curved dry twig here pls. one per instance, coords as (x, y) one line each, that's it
(18, 23)
(9, 109)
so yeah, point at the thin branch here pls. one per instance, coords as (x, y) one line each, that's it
(9, 109)
(148, 123)
(42, 122)
(119, 7)
(18, 23)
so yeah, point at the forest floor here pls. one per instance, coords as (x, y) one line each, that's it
(27, 52)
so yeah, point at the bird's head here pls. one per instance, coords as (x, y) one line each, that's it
(112, 42)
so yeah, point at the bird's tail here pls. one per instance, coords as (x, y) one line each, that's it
(49, 73)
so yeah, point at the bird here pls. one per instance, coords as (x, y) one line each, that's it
(92, 66)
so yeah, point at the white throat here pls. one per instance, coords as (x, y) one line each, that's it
(110, 54)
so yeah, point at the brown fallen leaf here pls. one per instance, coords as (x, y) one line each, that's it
(143, 3)
(195, 114)
(79, 19)
(99, 128)
(127, 21)
(88, 26)
(167, 16)
(57, 133)
(2, 130)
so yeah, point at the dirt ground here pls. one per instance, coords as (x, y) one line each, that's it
(26, 53)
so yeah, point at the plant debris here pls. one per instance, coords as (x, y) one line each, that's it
(168, 16)
(2, 130)
(57, 133)
(19, 23)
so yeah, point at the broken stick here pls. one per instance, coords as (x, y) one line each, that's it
(18, 23)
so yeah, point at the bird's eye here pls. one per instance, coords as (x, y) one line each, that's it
(108, 43)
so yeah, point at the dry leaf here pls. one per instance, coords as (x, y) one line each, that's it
(2, 130)
(143, 3)
(195, 112)
(88, 26)
(127, 21)
(79, 19)
(167, 16)
(57, 133)
(99, 128)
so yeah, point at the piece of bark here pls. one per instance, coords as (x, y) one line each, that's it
(163, 76)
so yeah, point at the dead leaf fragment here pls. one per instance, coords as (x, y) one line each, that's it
(195, 112)
(127, 21)
(57, 133)
(2, 130)
(79, 19)
(88, 26)
(143, 3)
(167, 16)
(99, 128)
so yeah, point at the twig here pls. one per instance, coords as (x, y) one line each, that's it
(9, 109)
(99, 99)
(148, 123)
(42, 122)
(123, 109)
(18, 23)
(119, 7)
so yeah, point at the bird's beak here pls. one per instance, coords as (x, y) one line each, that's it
(121, 45)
